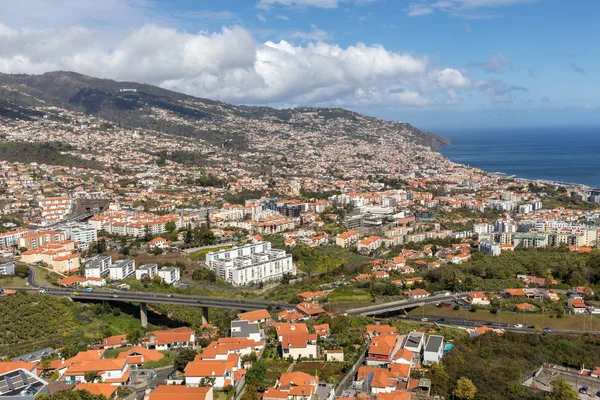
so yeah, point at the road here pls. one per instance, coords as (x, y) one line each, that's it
(402, 304)
(162, 298)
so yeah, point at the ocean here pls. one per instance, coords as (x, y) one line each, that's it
(570, 155)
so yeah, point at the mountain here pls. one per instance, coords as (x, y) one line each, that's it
(137, 105)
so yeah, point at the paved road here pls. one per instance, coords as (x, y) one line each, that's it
(31, 278)
(143, 297)
(402, 304)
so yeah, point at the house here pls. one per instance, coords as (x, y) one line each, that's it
(21, 384)
(322, 330)
(158, 243)
(410, 281)
(399, 261)
(299, 345)
(482, 330)
(403, 356)
(260, 316)
(524, 307)
(222, 348)
(112, 370)
(347, 239)
(310, 296)
(146, 270)
(245, 329)
(310, 309)
(415, 342)
(434, 349)
(171, 392)
(293, 386)
(417, 294)
(369, 244)
(551, 295)
(576, 304)
(104, 389)
(380, 275)
(283, 328)
(35, 356)
(166, 340)
(170, 275)
(121, 269)
(215, 373)
(515, 293)
(291, 316)
(113, 342)
(334, 355)
(8, 366)
(138, 355)
(382, 349)
(478, 299)
(375, 330)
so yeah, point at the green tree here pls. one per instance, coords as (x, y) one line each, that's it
(170, 226)
(21, 271)
(256, 375)
(92, 376)
(439, 379)
(134, 336)
(465, 389)
(561, 390)
(183, 358)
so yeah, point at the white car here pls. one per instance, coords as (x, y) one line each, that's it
(518, 325)
(424, 320)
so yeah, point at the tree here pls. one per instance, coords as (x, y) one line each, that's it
(249, 392)
(134, 336)
(256, 375)
(170, 226)
(465, 389)
(561, 390)
(183, 358)
(21, 271)
(92, 376)
(439, 378)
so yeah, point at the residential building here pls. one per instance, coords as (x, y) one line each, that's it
(11, 239)
(369, 244)
(55, 209)
(97, 267)
(121, 269)
(7, 268)
(148, 270)
(34, 240)
(245, 329)
(178, 392)
(138, 355)
(415, 342)
(334, 355)
(258, 316)
(251, 263)
(489, 247)
(434, 349)
(382, 349)
(21, 383)
(347, 239)
(170, 275)
(172, 338)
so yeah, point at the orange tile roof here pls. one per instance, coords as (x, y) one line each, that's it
(170, 392)
(297, 378)
(104, 389)
(7, 366)
(253, 316)
(287, 329)
(146, 354)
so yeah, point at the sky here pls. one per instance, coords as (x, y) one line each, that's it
(438, 64)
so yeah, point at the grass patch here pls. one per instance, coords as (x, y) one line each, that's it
(12, 281)
(566, 322)
(329, 372)
(200, 255)
(349, 294)
(274, 370)
(325, 258)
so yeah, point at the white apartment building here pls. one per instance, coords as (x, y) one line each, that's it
(489, 247)
(55, 209)
(149, 270)
(11, 239)
(121, 269)
(251, 263)
(97, 267)
(170, 275)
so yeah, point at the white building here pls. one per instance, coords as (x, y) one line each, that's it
(7, 268)
(11, 239)
(122, 269)
(97, 267)
(434, 349)
(55, 209)
(251, 263)
(489, 247)
(149, 270)
(170, 275)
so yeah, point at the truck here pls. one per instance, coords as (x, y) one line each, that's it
(7, 292)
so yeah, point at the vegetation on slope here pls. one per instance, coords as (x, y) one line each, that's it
(44, 153)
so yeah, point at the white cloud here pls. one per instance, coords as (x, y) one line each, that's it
(462, 8)
(283, 17)
(497, 64)
(231, 65)
(261, 17)
(315, 34)
(498, 91)
(298, 3)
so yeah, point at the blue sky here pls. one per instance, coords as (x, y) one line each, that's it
(439, 64)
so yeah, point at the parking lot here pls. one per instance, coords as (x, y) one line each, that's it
(577, 381)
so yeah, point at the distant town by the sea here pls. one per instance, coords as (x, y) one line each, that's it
(569, 155)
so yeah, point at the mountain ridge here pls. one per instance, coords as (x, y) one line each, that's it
(139, 105)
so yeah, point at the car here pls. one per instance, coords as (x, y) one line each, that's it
(447, 304)
(531, 327)
(547, 331)
(169, 295)
(442, 320)
(583, 389)
(88, 289)
(518, 325)
(42, 291)
(115, 295)
(488, 324)
(598, 393)
(424, 320)
(75, 293)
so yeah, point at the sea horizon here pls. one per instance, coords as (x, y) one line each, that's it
(565, 154)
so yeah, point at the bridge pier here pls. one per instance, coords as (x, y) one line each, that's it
(144, 315)
(204, 315)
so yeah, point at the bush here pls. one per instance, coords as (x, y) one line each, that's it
(456, 307)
